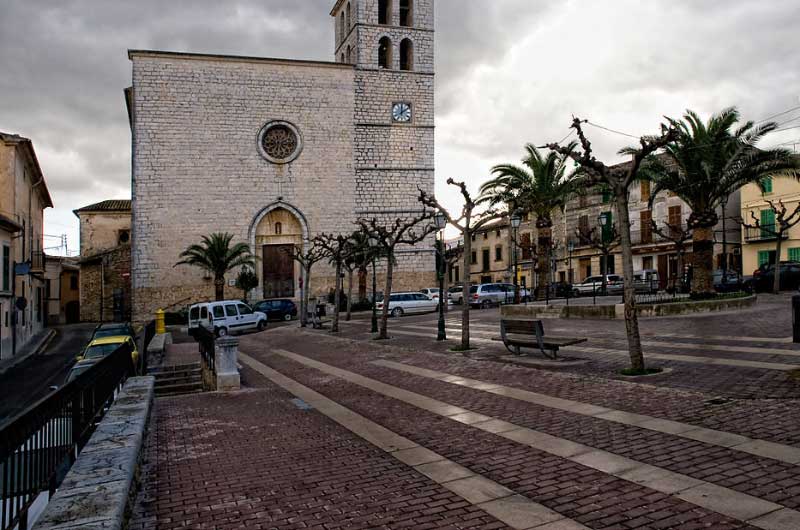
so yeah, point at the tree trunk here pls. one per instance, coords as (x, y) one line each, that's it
(306, 296)
(219, 288)
(544, 240)
(349, 315)
(703, 257)
(362, 283)
(467, 264)
(387, 293)
(776, 285)
(631, 318)
(337, 298)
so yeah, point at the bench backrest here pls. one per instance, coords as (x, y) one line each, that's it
(523, 327)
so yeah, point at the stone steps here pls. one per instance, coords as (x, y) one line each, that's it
(179, 379)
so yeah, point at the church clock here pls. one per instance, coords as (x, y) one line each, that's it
(401, 112)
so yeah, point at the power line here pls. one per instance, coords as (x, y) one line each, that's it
(612, 130)
(778, 114)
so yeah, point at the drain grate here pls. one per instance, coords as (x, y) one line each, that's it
(300, 404)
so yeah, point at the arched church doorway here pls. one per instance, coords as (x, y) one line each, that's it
(277, 234)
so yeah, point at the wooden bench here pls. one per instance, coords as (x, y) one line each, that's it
(517, 334)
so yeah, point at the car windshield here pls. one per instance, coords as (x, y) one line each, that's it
(99, 351)
(473, 289)
(455, 289)
(78, 370)
(110, 332)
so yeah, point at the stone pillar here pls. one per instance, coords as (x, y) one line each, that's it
(226, 355)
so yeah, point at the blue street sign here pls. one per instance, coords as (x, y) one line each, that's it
(22, 269)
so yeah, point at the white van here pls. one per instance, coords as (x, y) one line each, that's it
(226, 317)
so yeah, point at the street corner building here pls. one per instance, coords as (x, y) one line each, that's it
(275, 151)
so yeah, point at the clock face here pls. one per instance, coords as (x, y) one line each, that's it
(401, 112)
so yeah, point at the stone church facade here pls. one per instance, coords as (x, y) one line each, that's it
(276, 151)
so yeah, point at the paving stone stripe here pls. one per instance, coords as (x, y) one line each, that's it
(716, 347)
(740, 506)
(456, 325)
(765, 365)
(754, 446)
(516, 511)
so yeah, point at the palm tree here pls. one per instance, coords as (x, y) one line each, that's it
(216, 255)
(540, 186)
(707, 163)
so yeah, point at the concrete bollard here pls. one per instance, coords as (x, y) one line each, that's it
(226, 356)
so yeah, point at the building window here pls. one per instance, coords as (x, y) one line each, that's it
(525, 243)
(766, 185)
(485, 262)
(341, 60)
(385, 53)
(406, 13)
(280, 142)
(406, 55)
(384, 11)
(645, 219)
(457, 273)
(473, 237)
(349, 19)
(349, 55)
(48, 289)
(497, 233)
(645, 190)
(794, 254)
(474, 258)
(605, 194)
(647, 262)
(124, 237)
(766, 257)
(498, 253)
(767, 223)
(278, 229)
(485, 235)
(6, 285)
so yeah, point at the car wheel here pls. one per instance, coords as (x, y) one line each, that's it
(486, 304)
(222, 332)
(576, 293)
(397, 312)
(287, 317)
(461, 300)
(262, 325)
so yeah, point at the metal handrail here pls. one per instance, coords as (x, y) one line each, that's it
(38, 446)
(206, 342)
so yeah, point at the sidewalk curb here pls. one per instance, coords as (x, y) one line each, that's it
(36, 351)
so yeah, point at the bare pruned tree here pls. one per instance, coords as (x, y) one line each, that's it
(467, 224)
(338, 250)
(785, 220)
(389, 237)
(619, 179)
(307, 257)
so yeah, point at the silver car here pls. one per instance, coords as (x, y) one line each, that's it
(594, 285)
(406, 303)
(486, 295)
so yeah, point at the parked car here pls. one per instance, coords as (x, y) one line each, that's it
(226, 317)
(486, 295)
(646, 281)
(104, 346)
(403, 303)
(729, 282)
(456, 294)
(79, 368)
(431, 292)
(594, 284)
(764, 276)
(277, 309)
(114, 329)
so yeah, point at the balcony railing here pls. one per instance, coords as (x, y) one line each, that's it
(37, 261)
(767, 233)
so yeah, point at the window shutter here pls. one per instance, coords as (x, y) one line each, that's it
(794, 254)
(763, 257)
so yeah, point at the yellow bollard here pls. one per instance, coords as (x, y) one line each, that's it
(161, 328)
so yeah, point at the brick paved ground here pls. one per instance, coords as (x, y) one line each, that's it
(255, 460)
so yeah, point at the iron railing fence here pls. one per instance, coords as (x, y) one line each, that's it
(205, 340)
(38, 446)
(767, 233)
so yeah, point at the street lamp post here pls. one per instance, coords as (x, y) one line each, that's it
(373, 245)
(603, 221)
(516, 221)
(441, 222)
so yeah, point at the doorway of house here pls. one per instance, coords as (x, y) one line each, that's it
(278, 271)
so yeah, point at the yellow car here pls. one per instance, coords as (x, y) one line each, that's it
(99, 348)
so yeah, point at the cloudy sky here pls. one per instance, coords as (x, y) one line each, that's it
(508, 72)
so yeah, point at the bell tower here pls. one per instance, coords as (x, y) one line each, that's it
(390, 44)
